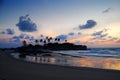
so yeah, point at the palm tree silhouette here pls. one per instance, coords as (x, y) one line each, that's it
(58, 39)
(50, 38)
(65, 41)
(41, 40)
(24, 43)
(36, 42)
(44, 42)
(55, 39)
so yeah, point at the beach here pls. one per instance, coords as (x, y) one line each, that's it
(15, 69)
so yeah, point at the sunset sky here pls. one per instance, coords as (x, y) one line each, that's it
(95, 23)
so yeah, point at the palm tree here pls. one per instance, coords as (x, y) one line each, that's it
(50, 38)
(65, 41)
(47, 37)
(55, 39)
(36, 42)
(24, 43)
(44, 41)
(58, 39)
(41, 40)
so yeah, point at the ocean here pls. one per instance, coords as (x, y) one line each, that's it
(95, 52)
(102, 58)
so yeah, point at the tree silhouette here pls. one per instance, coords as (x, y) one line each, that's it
(24, 43)
(50, 38)
(65, 41)
(47, 37)
(44, 42)
(41, 40)
(36, 42)
(58, 39)
(55, 39)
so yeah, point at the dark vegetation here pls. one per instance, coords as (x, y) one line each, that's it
(47, 47)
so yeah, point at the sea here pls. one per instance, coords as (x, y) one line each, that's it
(102, 58)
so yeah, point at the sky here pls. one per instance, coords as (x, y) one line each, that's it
(95, 23)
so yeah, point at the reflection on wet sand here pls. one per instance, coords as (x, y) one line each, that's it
(49, 60)
(104, 63)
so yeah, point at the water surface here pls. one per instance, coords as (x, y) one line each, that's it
(95, 58)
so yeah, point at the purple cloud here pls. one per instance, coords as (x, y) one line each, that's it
(62, 37)
(79, 33)
(26, 25)
(71, 33)
(100, 34)
(10, 31)
(88, 25)
(107, 10)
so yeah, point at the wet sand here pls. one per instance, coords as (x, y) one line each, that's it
(14, 69)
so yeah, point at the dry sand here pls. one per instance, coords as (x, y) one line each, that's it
(13, 69)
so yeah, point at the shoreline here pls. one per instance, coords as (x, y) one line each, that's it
(13, 69)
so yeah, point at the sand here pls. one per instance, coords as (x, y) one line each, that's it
(14, 69)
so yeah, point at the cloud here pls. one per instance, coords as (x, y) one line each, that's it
(71, 33)
(16, 40)
(97, 33)
(118, 41)
(62, 37)
(88, 25)
(23, 36)
(103, 35)
(74, 34)
(8, 31)
(15, 37)
(26, 25)
(41, 35)
(113, 39)
(79, 33)
(9, 43)
(100, 35)
(2, 32)
(106, 10)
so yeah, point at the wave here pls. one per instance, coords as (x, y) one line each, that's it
(95, 52)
